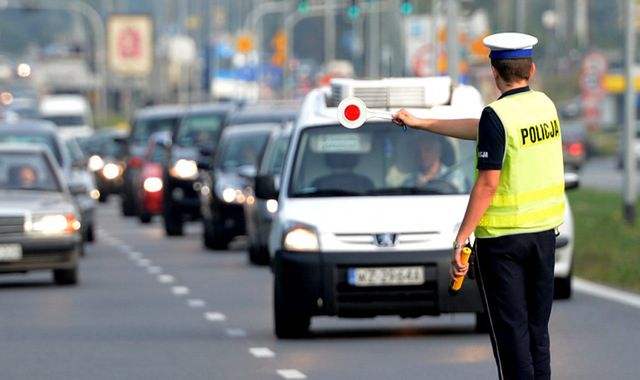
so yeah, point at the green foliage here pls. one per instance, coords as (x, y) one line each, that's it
(606, 249)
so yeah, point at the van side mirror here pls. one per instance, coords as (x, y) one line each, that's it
(265, 187)
(571, 181)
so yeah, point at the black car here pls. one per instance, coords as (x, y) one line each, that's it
(195, 140)
(145, 122)
(105, 150)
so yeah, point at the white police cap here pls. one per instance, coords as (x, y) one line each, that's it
(510, 45)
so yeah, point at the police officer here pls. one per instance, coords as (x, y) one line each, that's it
(515, 207)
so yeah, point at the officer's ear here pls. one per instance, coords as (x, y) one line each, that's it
(495, 74)
(532, 71)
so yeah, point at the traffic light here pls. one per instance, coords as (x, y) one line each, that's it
(353, 11)
(279, 43)
(406, 7)
(303, 6)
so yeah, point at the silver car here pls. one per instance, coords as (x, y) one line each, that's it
(39, 219)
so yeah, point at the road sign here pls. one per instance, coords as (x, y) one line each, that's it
(352, 113)
(244, 44)
(130, 44)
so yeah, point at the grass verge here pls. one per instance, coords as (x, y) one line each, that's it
(607, 250)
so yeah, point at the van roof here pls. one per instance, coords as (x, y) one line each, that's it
(320, 106)
(54, 104)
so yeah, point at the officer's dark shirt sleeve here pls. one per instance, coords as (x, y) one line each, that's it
(491, 140)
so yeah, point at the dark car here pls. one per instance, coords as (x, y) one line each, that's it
(259, 212)
(152, 189)
(574, 143)
(105, 150)
(222, 193)
(145, 122)
(195, 140)
(39, 218)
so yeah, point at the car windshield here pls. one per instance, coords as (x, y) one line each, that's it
(26, 171)
(45, 140)
(144, 127)
(379, 159)
(67, 120)
(242, 149)
(274, 160)
(199, 130)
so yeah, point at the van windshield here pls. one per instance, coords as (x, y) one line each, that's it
(199, 130)
(379, 159)
(67, 120)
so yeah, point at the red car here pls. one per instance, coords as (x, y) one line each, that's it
(151, 188)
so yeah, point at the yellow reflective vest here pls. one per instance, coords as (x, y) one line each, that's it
(530, 195)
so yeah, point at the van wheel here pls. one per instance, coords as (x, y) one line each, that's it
(482, 323)
(286, 324)
(258, 255)
(562, 288)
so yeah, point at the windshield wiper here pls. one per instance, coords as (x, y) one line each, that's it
(409, 190)
(310, 193)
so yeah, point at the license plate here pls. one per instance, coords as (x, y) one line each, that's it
(391, 276)
(10, 252)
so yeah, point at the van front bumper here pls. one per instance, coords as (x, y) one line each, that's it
(317, 284)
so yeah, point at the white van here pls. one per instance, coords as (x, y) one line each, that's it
(71, 113)
(354, 235)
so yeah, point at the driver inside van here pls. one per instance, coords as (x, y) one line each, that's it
(421, 167)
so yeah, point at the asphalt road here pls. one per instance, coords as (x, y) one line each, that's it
(149, 307)
(602, 173)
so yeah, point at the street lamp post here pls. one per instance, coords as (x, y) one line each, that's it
(629, 190)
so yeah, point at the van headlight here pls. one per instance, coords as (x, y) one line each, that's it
(52, 224)
(184, 169)
(111, 171)
(301, 238)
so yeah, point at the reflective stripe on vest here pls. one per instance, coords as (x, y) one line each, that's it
(530, 194)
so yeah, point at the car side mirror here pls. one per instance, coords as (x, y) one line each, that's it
(571, 181)
(77, 188)
(204, 165)
(265, 187)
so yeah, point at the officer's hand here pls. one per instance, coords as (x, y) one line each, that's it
(457, 269)
(404, 117)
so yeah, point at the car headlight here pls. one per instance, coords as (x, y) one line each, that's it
(231, 195)
(301, 238)
(152, 184)
(272, 206)
(53, 224)
(184, 169)
(95, 163)
(95, 194)
(111, 171)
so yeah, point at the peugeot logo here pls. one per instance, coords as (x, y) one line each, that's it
(386, 240)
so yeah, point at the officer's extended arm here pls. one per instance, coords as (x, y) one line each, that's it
(466, 129)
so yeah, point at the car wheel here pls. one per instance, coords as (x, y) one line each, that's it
(103, 197)
(91, 235)
(258, 255)
(482, 323)
(173, 223)
(127, 205)
(207, 233)
(287, 325)
(68, 276)
(145, 218)
(562, 287)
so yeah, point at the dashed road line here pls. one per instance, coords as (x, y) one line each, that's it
(166, 279)
(291, 374)
(214, 316)
(180, 290)
(261, 352)
(144, 262)
(196, 303)
(235, 332)
(154, 270)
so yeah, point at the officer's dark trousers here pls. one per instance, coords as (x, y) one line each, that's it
(516, 283)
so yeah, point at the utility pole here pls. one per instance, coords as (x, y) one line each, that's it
(629, 190)
(521, 11)
(452, 42)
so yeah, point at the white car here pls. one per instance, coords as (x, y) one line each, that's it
(353, 236)
(71, 113)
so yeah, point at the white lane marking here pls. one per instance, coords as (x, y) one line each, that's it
(261, 352)
(180, 290)
(124, 247)
(135, 255)
(166, 279)
(144, 262)
(215, 316)
(606, 292)
(291, 374)
(236, 332)
(154, 270)
(196, 303)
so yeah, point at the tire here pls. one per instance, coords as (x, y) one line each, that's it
(127, 206)
(173, 223)
(91, 234)
(145, 218)
(207, 234)
(68, 276)
(562, 288)
(102, 198)
(287, 325)
(482, 323)
(258, 255)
